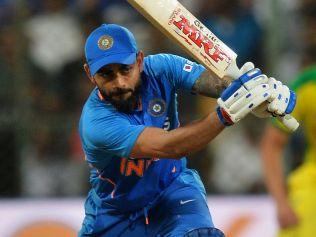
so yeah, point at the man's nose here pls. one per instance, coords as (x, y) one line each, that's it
(120, 81)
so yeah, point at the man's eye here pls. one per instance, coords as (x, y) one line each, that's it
(104, 74)
(126, 69)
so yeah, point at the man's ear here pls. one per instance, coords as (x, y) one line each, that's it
(87, 70)
(140, 60)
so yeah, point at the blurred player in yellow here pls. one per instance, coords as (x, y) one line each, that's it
(295, 199)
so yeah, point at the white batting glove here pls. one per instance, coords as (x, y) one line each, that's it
(283, 99)
(243, 95)
(281, 102)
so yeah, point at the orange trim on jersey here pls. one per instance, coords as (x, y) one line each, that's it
(100, 96)
(112, 194)
(111, 182)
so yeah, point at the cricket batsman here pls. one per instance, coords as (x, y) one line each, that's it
(135, 146)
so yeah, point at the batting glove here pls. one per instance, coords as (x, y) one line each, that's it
(281, 102)
(243, 95)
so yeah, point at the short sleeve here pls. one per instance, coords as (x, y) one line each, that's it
(181, 73)
(113, 133)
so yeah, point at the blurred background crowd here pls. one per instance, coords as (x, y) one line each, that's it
(43, 86)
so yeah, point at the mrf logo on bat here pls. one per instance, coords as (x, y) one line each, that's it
(196, 34)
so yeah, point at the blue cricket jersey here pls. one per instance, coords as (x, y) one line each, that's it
(108, 136)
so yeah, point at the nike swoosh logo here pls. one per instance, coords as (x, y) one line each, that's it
(186, 201)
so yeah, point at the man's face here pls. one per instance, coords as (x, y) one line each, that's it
(120, 84)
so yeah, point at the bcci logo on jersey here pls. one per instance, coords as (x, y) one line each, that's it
(157, 107)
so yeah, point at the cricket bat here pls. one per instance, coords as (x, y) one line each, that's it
(177, 23)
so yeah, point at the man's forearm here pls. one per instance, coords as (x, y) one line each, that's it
(155, 142)
(193, 137)
(272, 147)
(209, 85)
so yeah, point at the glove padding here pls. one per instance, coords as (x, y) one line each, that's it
(281, 102)
(243, 95)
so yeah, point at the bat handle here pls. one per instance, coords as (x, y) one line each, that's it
(288, 120)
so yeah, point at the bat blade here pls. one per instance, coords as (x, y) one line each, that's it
(177, 23)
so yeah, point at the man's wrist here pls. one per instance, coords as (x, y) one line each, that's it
(224, 117)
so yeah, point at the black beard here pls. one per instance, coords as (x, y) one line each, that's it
(128, 105)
